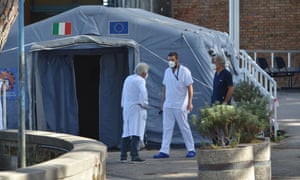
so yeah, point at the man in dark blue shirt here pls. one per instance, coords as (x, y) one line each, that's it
(223, 84)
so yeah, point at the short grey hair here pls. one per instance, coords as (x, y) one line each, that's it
(219, 59)
(141, 68)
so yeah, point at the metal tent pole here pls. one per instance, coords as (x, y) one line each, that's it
(21, 97)
(4, 86)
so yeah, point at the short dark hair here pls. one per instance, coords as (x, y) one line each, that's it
(173, 54)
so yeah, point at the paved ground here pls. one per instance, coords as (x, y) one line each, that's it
(285, 156)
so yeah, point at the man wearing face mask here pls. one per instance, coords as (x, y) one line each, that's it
(134, 102)
(222, 84)
(177, 98)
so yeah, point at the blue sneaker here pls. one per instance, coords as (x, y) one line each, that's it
(161, 155)
(191, 154)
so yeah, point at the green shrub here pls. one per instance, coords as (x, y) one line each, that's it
(234, 124)
(247, 96)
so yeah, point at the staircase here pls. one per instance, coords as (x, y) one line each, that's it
(252, 72)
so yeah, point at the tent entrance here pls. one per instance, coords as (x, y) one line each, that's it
(77, 89)
(114, 68)
(87, 70)
(99, 79)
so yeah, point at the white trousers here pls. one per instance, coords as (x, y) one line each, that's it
(169, 117)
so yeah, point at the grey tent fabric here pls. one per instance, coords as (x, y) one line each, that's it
(113, 72)
(52, 61)
(56, 83)
(117, 38)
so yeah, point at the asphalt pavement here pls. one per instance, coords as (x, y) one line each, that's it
(285, 155)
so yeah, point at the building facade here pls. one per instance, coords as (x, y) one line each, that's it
(268, 25)
(264, 24)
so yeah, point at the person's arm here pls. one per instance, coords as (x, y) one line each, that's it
(163, 97)
(229, 83)
(143, 95)
(123, 94)
(228, 94)
(190, 97)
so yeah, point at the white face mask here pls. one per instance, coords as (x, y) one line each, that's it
(213, 67)
(171, 64)
(146, 76)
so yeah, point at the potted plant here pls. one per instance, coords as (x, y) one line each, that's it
(227, 126)
(223, 124)
(247, 96)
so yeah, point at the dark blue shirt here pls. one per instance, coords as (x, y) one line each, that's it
(220, 87)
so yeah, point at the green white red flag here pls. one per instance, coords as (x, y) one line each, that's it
(62, 28)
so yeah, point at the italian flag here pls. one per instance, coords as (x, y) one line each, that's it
(62, 28)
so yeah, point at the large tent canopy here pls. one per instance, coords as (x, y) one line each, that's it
(76, 63)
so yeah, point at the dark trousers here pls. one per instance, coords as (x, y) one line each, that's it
(131, 144)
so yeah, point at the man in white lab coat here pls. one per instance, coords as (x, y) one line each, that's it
(134, 103)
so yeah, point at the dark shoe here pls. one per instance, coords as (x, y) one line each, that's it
(161, 155)
(191, 154)
(137, 160)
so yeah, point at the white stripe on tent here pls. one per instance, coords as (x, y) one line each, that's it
(61, 28)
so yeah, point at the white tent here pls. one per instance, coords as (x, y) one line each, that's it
(77, 61)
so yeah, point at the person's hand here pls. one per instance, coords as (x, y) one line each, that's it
(190, 107)
(160, 111)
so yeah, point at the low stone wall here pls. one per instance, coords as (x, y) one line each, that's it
(52, 156)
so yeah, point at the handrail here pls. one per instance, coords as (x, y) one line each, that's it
(252, 72)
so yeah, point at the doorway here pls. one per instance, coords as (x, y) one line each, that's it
(87, 75)
(78, 91)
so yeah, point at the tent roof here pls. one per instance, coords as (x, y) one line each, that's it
(94, 20)
(83, 39)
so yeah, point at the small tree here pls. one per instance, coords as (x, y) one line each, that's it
(247, 96)
(224, 124)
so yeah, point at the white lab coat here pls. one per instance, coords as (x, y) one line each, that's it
(134, 102)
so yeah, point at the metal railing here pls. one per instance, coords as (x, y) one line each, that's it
(252, 72)
(272, 53)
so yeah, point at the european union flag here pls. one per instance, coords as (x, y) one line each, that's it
(119, 27)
